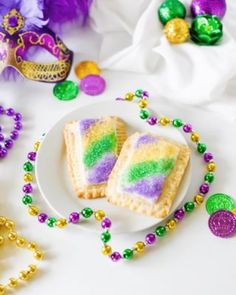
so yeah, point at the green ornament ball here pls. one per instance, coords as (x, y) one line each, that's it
(206, 30)
(160, 231)
(201, 148)
(170, 9)
(87, 212)
(189, 206)
(51, 221)
(66, 90)
(28, 167)
(105, 236)
(128, 254)
(27, 199)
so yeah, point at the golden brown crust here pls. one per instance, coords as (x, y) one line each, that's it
(162, 206)
(82, 189)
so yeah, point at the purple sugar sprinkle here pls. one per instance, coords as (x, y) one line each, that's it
(85, 124)
(150, 188)
(100, 172)
(144, 139)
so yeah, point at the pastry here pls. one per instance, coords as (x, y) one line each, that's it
(93, 146)
(148, 173)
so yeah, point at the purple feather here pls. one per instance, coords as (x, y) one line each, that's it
(61, 11)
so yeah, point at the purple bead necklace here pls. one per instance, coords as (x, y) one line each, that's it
(152, 237)
(7, 142)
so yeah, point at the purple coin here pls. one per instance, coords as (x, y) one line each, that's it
(92, 85)
(222, 223)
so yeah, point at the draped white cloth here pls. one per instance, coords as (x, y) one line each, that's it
(133, 40)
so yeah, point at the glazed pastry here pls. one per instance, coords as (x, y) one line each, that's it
(93, 146)
(148, 173)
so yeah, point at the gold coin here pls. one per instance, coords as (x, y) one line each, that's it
(86, 68)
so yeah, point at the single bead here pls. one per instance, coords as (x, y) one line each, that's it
(27, 199)
(99, 215)
(42, 217)
(187, 128)
(128, 254)
(199, 199)
(144, 114)
(164, 121)
(3, 153)
(209, 177)
(2, 220)
(106, 223)
(74, 217)
(33, 210)
(189, 206)
(32, 156)
(179, 214)
(177, 31)
(14, 134)
(2, 289)
(145, 94)
(160, 231)
(139, 92)
(61, 222)
(12, 236)
(201, 148)
(32, 268)
(27, 188)
(51, 221)
(208, 157)
(8, 144)
(36, 146)
(87, 212)
(139, 246)
(152, 120)
(32, 246)
(204, 188)
(10, 224)
(171, 224)
(28, 177)
(129, 96)
(143, 103)
(2, 111)
(10, 112)
(106, 250)
(2, 240)
(211, 167)
(177, 123)
(28, 167)
(20, 242)
(12, 283)
(18, 126)
(150, 238)
(195, 137)
(116, 256)
(38, 255)
(17, 117)
(2, 137)
(105, 236)
(24, 276)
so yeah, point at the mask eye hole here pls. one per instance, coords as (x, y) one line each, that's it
(39, 54)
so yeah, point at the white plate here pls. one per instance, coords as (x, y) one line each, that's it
(54, 183)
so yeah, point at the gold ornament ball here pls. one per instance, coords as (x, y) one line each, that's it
(106, 250)
(139, 247)
(164, 121)
(33, 210)
(176, 31)
(195, 137)
(20, 242)
(32, 246)
(129, 96)
(143, 103)
(61, 222)
(36, 146)
(32, 268)
(10, 224)
(171, 224)
(2, 290)
(99, 215)
(28, 177)
(12, 236)
(24, 276)
(38, 255)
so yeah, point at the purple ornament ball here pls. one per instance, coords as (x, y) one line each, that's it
(212, 7)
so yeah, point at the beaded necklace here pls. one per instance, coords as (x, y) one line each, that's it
(99, 215)
(7, 226)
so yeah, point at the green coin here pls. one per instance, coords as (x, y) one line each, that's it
(66, 90)
(218, 202)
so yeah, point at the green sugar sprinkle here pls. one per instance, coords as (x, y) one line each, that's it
(149, 168)
(97, 149)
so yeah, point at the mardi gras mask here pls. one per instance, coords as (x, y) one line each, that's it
(23, 27)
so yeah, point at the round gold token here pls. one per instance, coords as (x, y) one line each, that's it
(86, 68)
